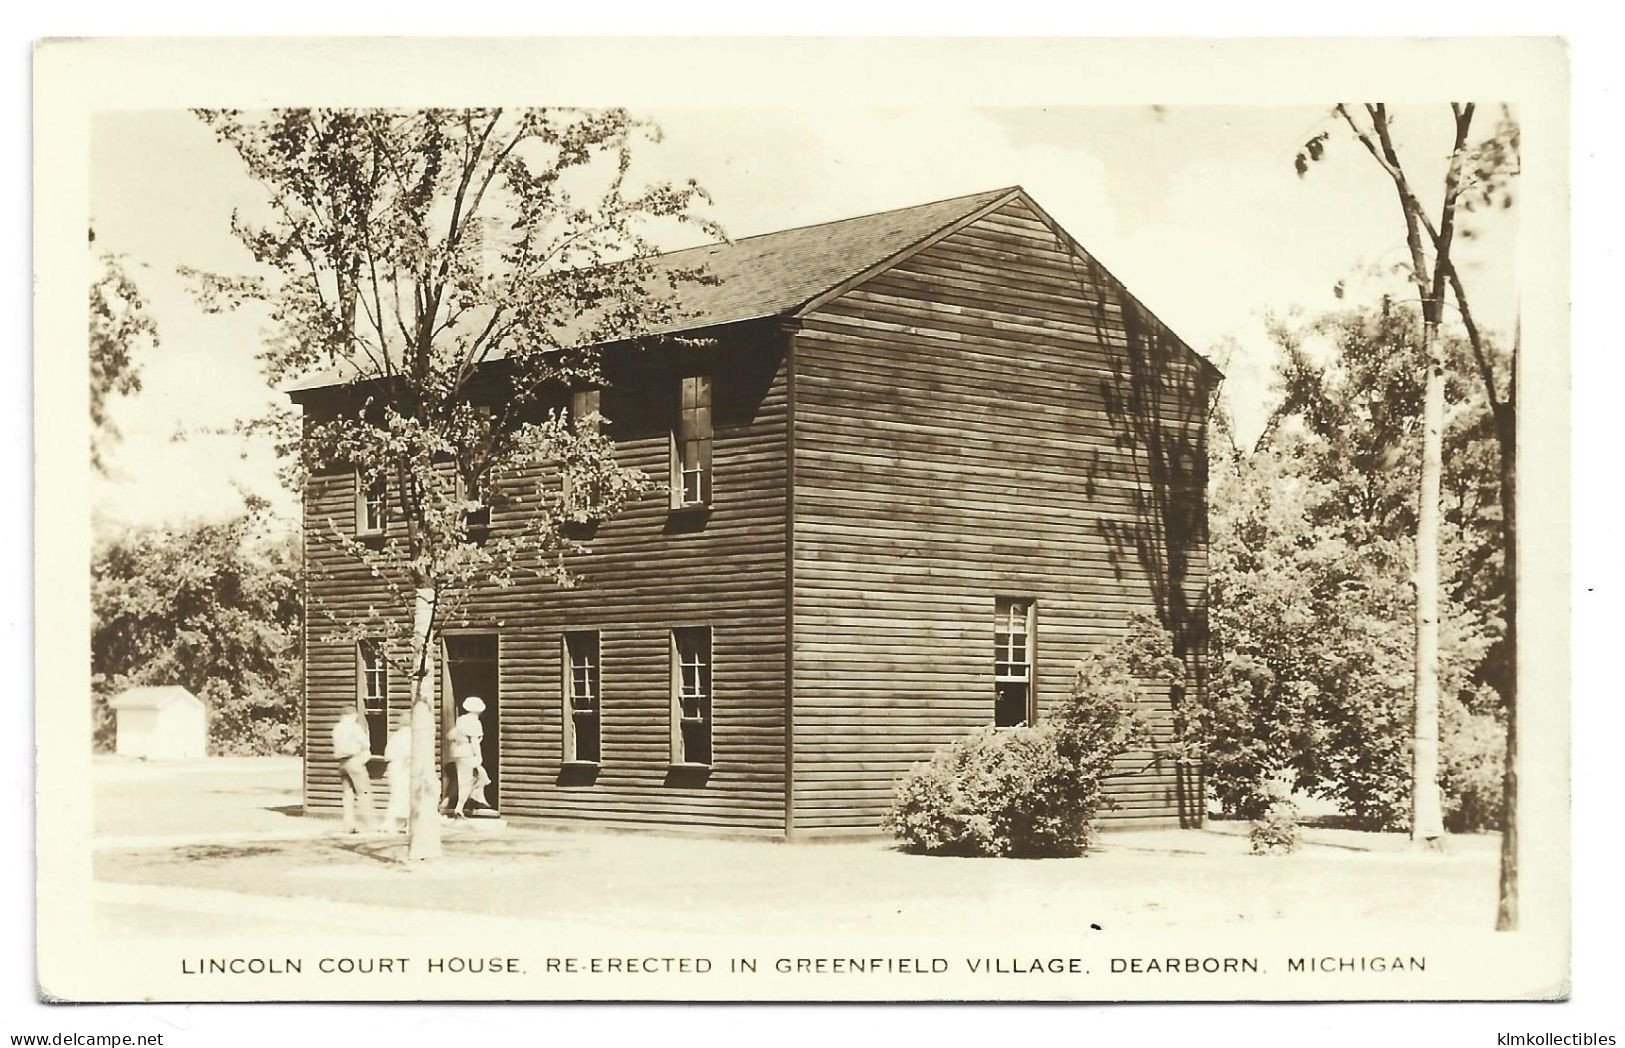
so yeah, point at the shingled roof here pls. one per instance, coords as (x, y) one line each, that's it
(780, 273)
(777, 273)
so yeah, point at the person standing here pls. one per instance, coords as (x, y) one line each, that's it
(398, 752)
(352, 748)
(465, 745)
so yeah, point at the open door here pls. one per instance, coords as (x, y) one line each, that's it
(470, 668)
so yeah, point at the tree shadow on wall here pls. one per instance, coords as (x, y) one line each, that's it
(1156, 397)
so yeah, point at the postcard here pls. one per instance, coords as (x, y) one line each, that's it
(802, 519)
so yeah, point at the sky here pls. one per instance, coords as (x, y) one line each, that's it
(1198, 210)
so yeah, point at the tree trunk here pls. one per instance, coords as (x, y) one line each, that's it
(1427, 817)
(1506, 915)
(423, 826)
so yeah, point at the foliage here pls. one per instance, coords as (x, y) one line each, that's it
(996, 792)
(120, 332)
(1477, 178)
(1276, 830)
(213, 607)
(1472, 744)
(453, 272)
(1027, 791)
(1311, 647)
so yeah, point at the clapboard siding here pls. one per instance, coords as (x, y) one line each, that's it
(991, 417)
(647, 572)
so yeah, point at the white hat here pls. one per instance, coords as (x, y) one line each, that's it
(474, 704)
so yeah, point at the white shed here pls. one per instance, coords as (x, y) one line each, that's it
(161, 723)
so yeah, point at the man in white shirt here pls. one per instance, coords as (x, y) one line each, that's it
(352, 747)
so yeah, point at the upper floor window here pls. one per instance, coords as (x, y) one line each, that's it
(691, 695)
(472, 484)
(581, 696)
(583, 405)
(579, 500)
(691, 444)
(372, 687)
(371, 505)
(1012, 662)
(477, 515)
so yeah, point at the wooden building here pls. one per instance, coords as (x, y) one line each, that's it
(160, 722)
(931, 458)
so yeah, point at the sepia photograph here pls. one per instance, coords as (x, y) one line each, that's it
(1043, 545)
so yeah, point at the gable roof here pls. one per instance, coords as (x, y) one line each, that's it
(152, 697)
(774, 274)
(788, 272)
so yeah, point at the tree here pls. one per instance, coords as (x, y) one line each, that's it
(1310, 581)
(453, 270)
(120, 331)
(211, 606)
(1475, 176)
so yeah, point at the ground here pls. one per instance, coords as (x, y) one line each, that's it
(140, 799)
(195, 847)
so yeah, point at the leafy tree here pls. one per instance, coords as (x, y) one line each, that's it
(1429, 244)
(1310, 581)
(1477, 176)
(120, 331)
(211, 606)
(453, 270)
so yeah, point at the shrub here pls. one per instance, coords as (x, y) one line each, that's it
(1277, 829)
(1231, 740)
(103, 721)
(1028, 791)
(995, 792)
(1472, 754)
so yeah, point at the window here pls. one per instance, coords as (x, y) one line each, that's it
(691, 444)
(581, 696)
(373, 691)
(691, 695)
(579, 500)
(472, 477)
(470, 489)
(371, 505)
(584, 402)
(1012, 662)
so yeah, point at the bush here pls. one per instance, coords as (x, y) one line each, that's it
(995, 792)
(1023, 792)
(1472, 755)
(254, 720)
(1277, 829)
(1231, 740)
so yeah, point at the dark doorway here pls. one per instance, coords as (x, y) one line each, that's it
(471, 669)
